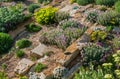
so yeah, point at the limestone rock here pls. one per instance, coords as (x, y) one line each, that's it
(33, 75)
(39, 51)
(23, 66)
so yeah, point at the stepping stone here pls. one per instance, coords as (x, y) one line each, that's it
(39, 51)
(23, 66)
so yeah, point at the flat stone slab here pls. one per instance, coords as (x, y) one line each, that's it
(34, 75)
(39, 51)
(23, 66)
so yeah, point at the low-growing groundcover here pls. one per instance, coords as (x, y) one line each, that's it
(39, 67)
(5, 42)
(62, 38)
(23, 43)
(33, 28)
(108, 70)
(10, 17)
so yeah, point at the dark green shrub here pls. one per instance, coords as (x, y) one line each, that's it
(39, 67)
(33, 28)
(20, 53)
(59, 16)
(69, 23)
(110, 18)
(10, 17)
(32, 7)
(105, 2)
(23, 43)
(117, 6)
(92, 16)
(5, 42)
(84, 2)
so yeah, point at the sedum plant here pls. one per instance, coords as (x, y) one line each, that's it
(45, 15)
(98, 35)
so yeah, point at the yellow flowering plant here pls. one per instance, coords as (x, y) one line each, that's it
(45, 15)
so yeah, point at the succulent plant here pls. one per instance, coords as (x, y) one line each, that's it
(59, 72)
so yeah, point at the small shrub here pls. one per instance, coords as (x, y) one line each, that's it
(4, 66)
(3, 75)
(23, 43)
(110, 18)
(44, 1)
(93, 54)
(92, 16)
(45, 15)
(60, 38)
(69, 23)
(32, 7)
(39, 67)
(105, 2)
(20, 53)
(33, 28)
(89, 73)
(5, 42)
(23, 77)
(117, 6)
(72, 1)
(98, 36)
(84, 2)
(116, 42)
(59, 16)
(103, 8)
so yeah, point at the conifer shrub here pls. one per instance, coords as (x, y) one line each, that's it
(32, 7)
(5, 42)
